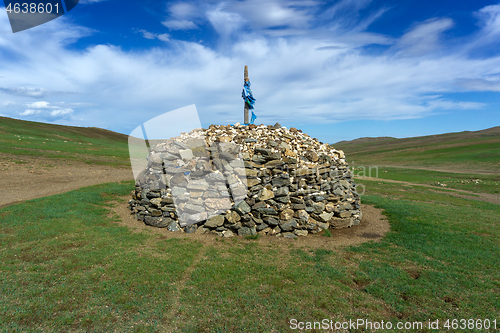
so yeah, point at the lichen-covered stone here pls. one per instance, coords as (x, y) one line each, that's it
(289, 235)
(301, 232)
(214, 221)
(245, 231)
(242, 208)
(265, 194)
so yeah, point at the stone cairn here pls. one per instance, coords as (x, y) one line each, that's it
(246, 180)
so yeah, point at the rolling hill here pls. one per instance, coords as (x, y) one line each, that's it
(87, 144)
(477, 151)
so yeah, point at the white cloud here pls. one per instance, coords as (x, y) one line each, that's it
(320, 75)
(225, 23)
(347, 5)
(184, 10)
(57, 113)
(25, 91)
(480, 85)
(263, 14)
(424, 38)
(46, 109)
(61, 112)
(451, 105)
(183, 15)
(228, 17)
(179, 24)
(39, 105)
(149, 35)
(490, 19)
(344, 15)
(8, 103)
(29, 112)
(163, 37)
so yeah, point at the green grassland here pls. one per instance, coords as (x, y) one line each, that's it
(482, 183)
(89, 145)
(66, 265)
(473, 151)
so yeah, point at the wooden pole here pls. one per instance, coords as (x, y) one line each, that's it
(246, 107)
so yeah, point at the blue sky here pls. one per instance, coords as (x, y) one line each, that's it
(339, 70)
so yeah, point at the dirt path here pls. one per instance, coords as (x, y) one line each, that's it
(373, 227)
(487, 197)
(24, 178)
(450, 169)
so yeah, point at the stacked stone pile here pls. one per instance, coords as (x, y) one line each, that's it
(245, 180)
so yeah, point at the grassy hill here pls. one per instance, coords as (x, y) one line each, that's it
(87, 144)
(474, 151)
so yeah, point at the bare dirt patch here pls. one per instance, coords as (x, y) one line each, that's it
(373, 227)
(472, 169)
(24, 178)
